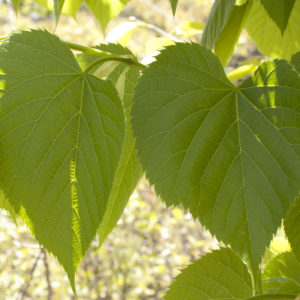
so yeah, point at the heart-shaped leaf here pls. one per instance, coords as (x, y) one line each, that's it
(61, 136)
(225, 152)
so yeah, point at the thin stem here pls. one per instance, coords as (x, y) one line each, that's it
(127, 61)
(85, 49)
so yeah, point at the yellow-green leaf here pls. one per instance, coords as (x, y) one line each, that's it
(226, 153)
(220, 274)
(61, 135)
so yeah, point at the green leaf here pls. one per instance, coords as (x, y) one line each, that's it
(267, 34)
(5, 204)
(61, 132)
(70, 7)
(16, 4)
(280, 285)
(291, 221)
(224, 152)
(292, 227)
(216, 22)
(174, 6)
(129, 170)
(230, 34)
(274, 297)
(295, 60)
(58, 6)
(223, 28)
(217, 275)
(279, 11)
(105, 10)
(282, 274)
(240, 2)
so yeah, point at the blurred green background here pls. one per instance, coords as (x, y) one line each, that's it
(151, 243)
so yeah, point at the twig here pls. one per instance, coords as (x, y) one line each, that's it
(47, 273)
(24, 288)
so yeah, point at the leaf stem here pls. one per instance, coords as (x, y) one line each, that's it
(85, 49)
(107, 56)
(125, 60)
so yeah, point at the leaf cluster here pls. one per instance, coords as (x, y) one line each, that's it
(77, 132)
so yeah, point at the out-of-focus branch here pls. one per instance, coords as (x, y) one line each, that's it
(24, 288)
(47, 273)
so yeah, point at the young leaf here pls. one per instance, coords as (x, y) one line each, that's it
(279, 11)
(217, 275)
(61, 132)
(224, 152)
(129, 170)
(173, 5)
(282, 273)
(105, 10)
(268, 36)
(217, 20)
(292, 227)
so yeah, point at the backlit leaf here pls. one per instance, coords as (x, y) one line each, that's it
(16, 4)
(225, 152)
(217, 275)
(291, 221)
(58, 6)
(227, 40)
(279, 11)
(268, 36)
(274, 297)
(174, 6)
(282, 273)
(223, 28)
(105, 10)
(216, 22)
(61, 135)
(292, 227)
(70, 7)
(296, 61)
(129, 169)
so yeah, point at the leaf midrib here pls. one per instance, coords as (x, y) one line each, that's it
(35, 124)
